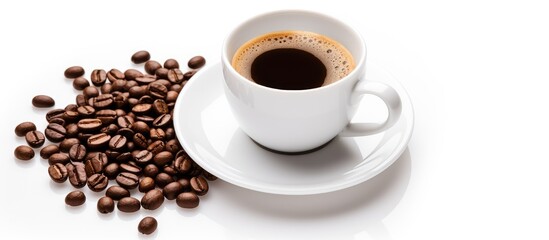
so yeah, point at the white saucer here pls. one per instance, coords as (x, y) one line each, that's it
(209, 133)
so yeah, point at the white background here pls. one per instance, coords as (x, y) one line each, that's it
(476, 166)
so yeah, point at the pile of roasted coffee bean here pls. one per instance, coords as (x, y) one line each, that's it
(120, 129)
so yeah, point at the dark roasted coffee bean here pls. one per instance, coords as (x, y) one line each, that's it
(164, 82)
(162, 158)
(89, 124)
(171, 63)
(103, 101)
(23, 152)
(103, 158)
(74, 72)
(175, 75)
(66, 144)
(188, 75)
(177, 87)
(98, 182)
(77, 153)
(162, 120)
(107, 116)
(143, 157)
(71, 107)
(152, 200)
(207, 175)
(147, 225)
(35, 138)
(169, 169)
(187, 200)
(90, 92)
(83, 137)
(62, 158)
(146, 100)
(173, 146)
(70, 116)
(115, 74)
(117, 142)
(118, 85)
(120, 112)
(128, 204)
(161, 73)
(159, 106)
(163, 179)
(130, 168)
(75, 198)
(171, 96)
(124, 157)
(171, 190)
(111, 170)
(126, 132)
(137, 91)
(23, 128)
(127, 180)
(195, 171)
(141, 57)
(98, 77)
(43, 101)
(140, 140)
(55, 113)
(151, 66)
(146, 184)
(196, 62)
(130, 146)
(55, 132)
(59, 121)
(85, 111)
(129, 84)
(105, 205)
(98, 140)
(81, 100)
(93, 166)
(151, 170)
(170, 133)
(157, 134)
(80, 83)
(183, 163)
(58, 172)
(132, 74)
(112, 155)
(49, 150)
(157, 90)
(72, 130)
(140, 127)
(145, 79)
(141, 108)
(199, 185)
(156, 147)
(106, 88)
(185, 183)
(125, 121)
(117, 192)
(77, 174)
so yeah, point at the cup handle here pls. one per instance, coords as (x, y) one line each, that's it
(391, 99)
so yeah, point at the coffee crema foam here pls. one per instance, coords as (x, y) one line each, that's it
(337, 59)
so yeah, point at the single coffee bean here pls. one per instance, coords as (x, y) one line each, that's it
(143, 157)
(62, 158)
(98, 182)
(81, 100)
(188, 75)
(111, 170)
(83, 137)
(147, 225)
(118, 86)
(128, 204)
(77, 153)
(59, 121)
(126, 132)
(107, 116)
(137, 91)
(117, 192)
(127, 180)
(55, 132)
(49, 150)
(151, 170)
(140, 127)
(172, 190)
(175, 75)
(120, 112)
(70, 116)
(77, 174)
(173, 146)
(164, 82)
(145, 79)
(178, 87)
(43, 101)
(141, 57)
(171, 63)
(23, 152)
(171, 96)
(185, 183)
(159, 106)
(105, 205)
(98, 140)
(187, 200)
(146, 99)
(80, 83)
(170, 133)
(85, 111)
(106, 88)
(23, 128)
(163, 158)
(90, 92)
(66, 144)
(71, 107)
(132, 74)
(157, 90)
(183, 164)
(58, 172)
(163, 179)
(74, 72)
(125, 121)
(89, 124)
(75, 198)
(140, 140)
(112, 154)
(152, 200)
(93, 166)
(141, 108)
(196, 62)
(55, 113)
(124, 157)
(130, 168)
(115, 74)
(199, 185)
(103, 101)
(161, 73)
(130, 146)
(151, 66)
(162, 120)
(117, 142)
(156, 147)
(98, 77)
(35, 138)
(157, 134)
(72, 130)
(146, 184)
(169, 169)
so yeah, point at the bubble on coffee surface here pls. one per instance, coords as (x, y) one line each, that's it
(337, 59)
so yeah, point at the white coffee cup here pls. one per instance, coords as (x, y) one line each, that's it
(294, 121)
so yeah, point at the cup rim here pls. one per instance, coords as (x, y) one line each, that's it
(359, 64)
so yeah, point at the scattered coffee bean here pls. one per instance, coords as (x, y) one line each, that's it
(61, 158)
(80, 83)
(146, 184)
(199, 185)
(75, 198)
(90, 92)
(127, 180)
(150, 170)
(147, 225)
(141, 57)
(128, 204)
(23, 152)
(58, 172)
(171, 63)
(98, 77)
(77, 153)
(117, 142)
(89, 124)
(117, 192)
(23, 128)
(130, 168)
(98, 182)
(35, 138)
(163, 158)
(152, 200)
(93, 166)
(49, 150)
(77, 174)
(187, 200)
(74, 72)
(98, 140)
(175, 75)
(185, 183)
(43, 101)
(196, 62)
(188, 75)
(105, 205)
(151, 66)
(66, 144)
(111, 170)
(163, 179)
(55, 132)
(171, 190)
(132, 74)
